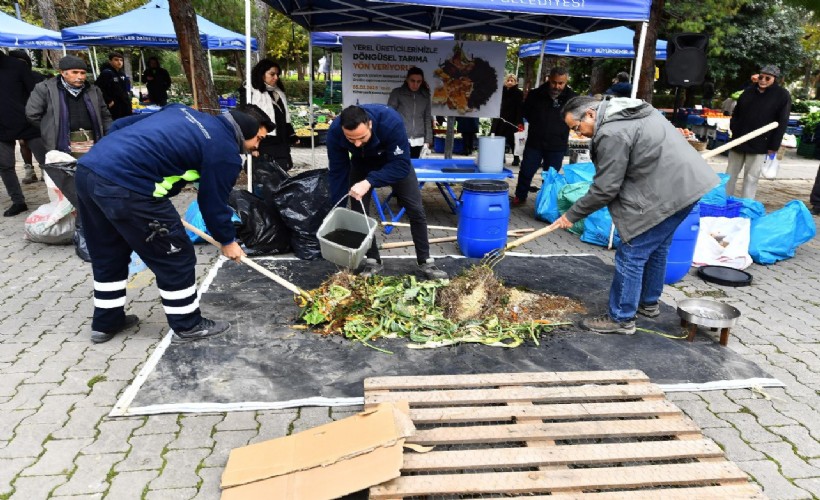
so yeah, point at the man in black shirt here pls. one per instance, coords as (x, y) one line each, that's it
(115, 86)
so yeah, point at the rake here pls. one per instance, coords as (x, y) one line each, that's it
(491, 259)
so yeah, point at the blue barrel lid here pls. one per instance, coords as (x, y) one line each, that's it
(486, 186)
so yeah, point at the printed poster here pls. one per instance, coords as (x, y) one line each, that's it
(465, 78)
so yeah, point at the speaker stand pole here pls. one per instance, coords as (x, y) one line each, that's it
(675, 106)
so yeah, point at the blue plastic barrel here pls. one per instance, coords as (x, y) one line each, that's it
(483, 217)
(683, 247)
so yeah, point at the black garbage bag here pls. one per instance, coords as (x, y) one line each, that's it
(303, 202)
(261, 229)
(268, 178)
(80, 246)
(63, 176)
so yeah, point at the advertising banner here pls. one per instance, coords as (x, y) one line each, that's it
(465, 78)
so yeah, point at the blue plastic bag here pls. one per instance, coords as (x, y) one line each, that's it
(597, 226)
(579, 172)
(776, 236)
(546, 203)
(194, 217)
(751, 209)
(717, 196)
(567, 196)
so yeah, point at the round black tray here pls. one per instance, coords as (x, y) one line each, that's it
(726, 276)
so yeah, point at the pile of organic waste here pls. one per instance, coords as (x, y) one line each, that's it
(472, 307)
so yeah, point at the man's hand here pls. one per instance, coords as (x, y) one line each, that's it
(358, 190)
(562, 222)
(233, 251)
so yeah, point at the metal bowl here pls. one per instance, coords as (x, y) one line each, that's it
(709, 313)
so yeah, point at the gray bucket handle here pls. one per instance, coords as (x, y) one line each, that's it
(364, 212)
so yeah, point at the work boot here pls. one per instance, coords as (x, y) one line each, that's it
(431, 272)
(605, 324)
(98, 337)
(649, 310)
(206, 328)
(30, 177)
(371, 267)
(14, 209)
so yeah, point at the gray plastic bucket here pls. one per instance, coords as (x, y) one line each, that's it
(344, 218)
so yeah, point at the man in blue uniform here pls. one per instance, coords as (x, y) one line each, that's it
(367, 147)
(124, 185)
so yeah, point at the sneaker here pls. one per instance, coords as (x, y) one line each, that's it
(431, 272)
(371, 267)
(14, 209)
(30, 177)
(649, 310)
(534, 189)
(99, 337)
(206, 328)
(517, 202)
(605, 324)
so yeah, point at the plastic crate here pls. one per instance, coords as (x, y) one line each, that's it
(731, 209)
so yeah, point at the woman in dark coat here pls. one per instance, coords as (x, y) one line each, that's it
(512, 99)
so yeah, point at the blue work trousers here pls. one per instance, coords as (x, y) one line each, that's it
(116, 221)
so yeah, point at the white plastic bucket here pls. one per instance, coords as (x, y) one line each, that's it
(344, 218)
(491, 154)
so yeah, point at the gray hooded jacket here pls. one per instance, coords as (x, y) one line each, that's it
(414, 108)
(644, 169)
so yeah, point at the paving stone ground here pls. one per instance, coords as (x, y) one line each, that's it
(56, 387)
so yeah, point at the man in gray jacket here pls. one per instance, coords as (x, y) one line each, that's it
(70, 112)
(650, 179)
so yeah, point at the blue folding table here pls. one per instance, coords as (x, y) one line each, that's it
(444, 173)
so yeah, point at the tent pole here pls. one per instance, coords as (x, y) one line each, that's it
(517, 66)
(248, 158)
(330, 75)
(210, 66)
(64, 51)
(310, 102)
(540, 64)
(639, 60)
(93, 61)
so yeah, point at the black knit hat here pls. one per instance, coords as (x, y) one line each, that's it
(72, 62)
(247, 124)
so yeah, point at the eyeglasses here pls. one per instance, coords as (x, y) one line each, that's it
(577, 128)
(766, 77)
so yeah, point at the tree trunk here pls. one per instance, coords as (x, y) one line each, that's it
(49, 14)
(647, 69)
(192, 56)
(260, 28)
(598, 82)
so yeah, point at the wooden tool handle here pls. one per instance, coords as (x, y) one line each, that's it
(531, 236)
(740, 140)
(250, 263)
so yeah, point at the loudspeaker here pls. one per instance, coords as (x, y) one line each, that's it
(686, 59)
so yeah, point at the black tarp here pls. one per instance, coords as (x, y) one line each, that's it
(262, 359)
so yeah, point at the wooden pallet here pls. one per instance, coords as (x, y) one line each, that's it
(604, 435)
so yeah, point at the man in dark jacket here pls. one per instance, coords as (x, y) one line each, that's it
(124, 185)
(115, 86)
(620, 86)
(548, 135)
(763, 103)
(25, 151)
(16, 83)
(367, 147)
(158, 81)
(70, 113)
(650, 179)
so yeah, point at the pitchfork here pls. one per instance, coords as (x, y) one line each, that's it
(491, 259)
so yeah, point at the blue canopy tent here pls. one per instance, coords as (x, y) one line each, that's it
(151, 26)
(19, 34)
(614, 43)
(333, 40)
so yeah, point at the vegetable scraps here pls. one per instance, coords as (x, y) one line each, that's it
(473, 307)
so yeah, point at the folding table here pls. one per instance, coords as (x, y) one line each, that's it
(444, 173)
